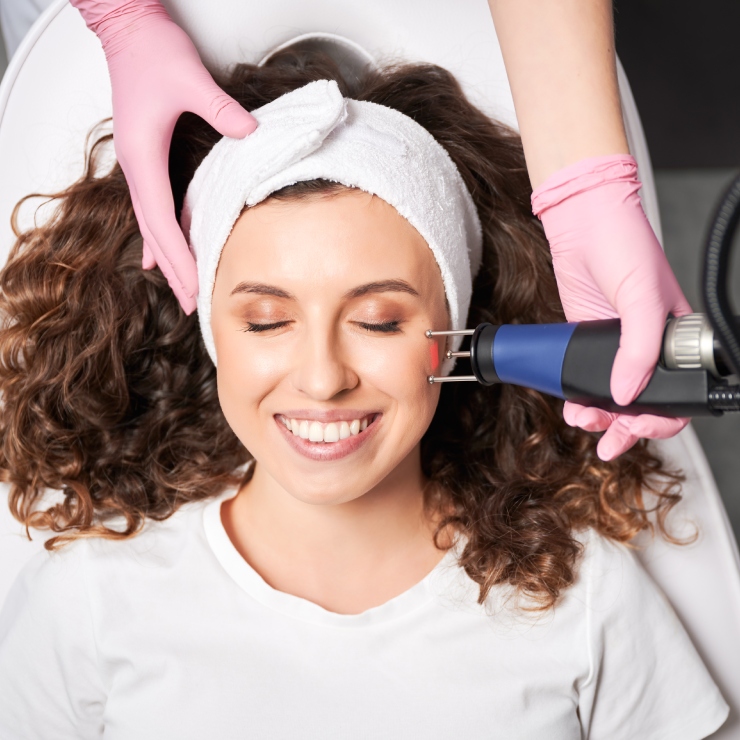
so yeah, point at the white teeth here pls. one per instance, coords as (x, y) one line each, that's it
(315, 431)
(331, 432)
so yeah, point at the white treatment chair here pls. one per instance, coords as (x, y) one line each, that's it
(56, 89)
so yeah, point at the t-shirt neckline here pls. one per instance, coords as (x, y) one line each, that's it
(242, 573)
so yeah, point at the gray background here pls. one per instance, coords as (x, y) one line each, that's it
(687, 201)
(680, 71)
(683, 62)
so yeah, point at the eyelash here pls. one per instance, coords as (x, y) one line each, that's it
(263, 327)
(386, 327)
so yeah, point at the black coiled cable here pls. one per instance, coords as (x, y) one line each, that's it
(716, 275)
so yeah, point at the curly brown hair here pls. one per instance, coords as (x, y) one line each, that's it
(108, 394)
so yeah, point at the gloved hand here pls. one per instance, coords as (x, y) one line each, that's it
(156, 74)
(609, 263)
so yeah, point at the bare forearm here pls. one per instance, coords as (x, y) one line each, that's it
(560, 59)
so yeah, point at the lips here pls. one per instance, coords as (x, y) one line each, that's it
(331, 439)
(326, 432)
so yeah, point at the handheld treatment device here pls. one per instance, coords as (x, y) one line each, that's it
(574, 361)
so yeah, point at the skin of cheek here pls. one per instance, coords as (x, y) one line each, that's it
(392, 376)
(434, 361)
(386, 373)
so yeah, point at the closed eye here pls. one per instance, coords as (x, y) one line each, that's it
(263, 327)
(386, 326)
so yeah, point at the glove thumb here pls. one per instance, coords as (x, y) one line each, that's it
(226, 115)
(637, 356)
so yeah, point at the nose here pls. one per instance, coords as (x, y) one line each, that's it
(323, 368)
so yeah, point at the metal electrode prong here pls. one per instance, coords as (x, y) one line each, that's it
(450, 354)
(458, 333)
(453, 379)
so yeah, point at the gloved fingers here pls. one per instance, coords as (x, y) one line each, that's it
(655, 427)
(147, 258)
(616, 440)
(570, 412)
(622, 431)
(643, 326)
(581, 298)
(149, 183)
(187, 302)
(588, 418)
(220, 110)
(681, 306)
(625, 431)
(638, 353)
(177, 267)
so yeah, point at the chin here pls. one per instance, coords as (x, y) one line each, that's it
(327, 492)
(324, 499)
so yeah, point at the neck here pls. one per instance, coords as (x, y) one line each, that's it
(324, 551)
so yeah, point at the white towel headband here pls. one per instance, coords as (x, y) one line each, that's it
(313, 132)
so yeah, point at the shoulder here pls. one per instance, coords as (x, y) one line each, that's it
(158, 542)
(48, 597)
(640, 652)
(601, 551)
(610, 574)
(618, 593)
(60, 581)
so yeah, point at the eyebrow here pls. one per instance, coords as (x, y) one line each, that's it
(261, 289)
(380, 286)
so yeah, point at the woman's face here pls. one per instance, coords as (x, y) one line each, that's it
(319, 311)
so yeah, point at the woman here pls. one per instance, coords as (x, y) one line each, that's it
(561, 64)
(393, 561)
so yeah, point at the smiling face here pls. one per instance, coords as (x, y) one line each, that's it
(319, 311)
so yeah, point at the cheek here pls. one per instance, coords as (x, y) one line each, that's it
(244, 378)
(399, 369)
(434, 355)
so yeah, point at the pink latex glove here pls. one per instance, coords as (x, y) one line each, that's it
(156, 74)
(609, 263)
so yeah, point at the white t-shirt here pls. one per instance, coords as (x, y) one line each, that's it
(172, 635)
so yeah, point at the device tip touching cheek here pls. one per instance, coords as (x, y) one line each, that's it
(449, 355)
(574, 361)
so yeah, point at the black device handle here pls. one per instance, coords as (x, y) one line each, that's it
(587, 369)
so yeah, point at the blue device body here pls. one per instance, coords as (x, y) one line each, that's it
(574, 362)
(532, 355)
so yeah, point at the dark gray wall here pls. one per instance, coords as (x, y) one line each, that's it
(682, 58)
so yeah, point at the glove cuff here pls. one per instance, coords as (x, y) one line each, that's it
(586, 174)
(108, 18)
